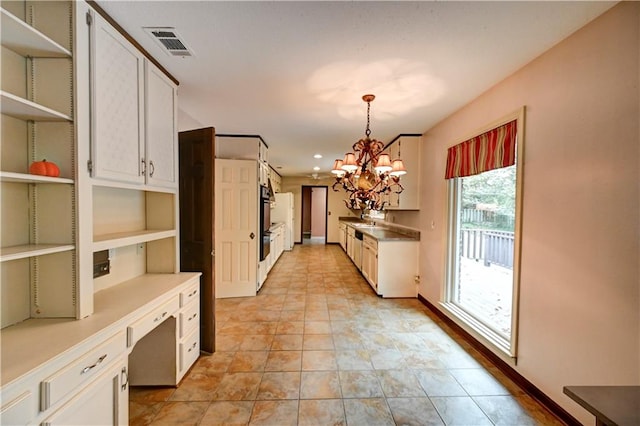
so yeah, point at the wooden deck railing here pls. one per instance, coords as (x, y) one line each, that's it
(492, 247)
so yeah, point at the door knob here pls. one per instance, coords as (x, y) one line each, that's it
(252, 235)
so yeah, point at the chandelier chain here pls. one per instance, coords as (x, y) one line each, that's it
(368, 131)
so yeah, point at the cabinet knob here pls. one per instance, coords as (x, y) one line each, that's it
(252, 235)
(152, 168)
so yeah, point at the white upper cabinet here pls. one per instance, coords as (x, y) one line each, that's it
(134, 131)
(117, 73)
(239, 147)
(407, 148)
(161, 128)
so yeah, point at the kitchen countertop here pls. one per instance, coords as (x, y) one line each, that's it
(612, 405)
(275, 225)
(31, 344)
(382, 232)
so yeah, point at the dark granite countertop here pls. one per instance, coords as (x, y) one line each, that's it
(382, 232)
(612, 405)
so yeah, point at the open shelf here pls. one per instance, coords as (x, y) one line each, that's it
(24, 109)
(25, 40)
(31, 250)
(29, 178)
(103, 183)
(122, 239)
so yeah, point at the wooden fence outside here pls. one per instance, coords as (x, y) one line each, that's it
(486, 217)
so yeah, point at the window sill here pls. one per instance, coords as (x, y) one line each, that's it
(480, 331)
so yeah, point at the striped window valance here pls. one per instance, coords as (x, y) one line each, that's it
(491, 150)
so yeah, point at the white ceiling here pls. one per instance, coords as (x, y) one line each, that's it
(294, 72)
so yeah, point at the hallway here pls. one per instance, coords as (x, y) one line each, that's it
(318, 347)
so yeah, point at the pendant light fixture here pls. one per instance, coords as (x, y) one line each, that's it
(368, 174)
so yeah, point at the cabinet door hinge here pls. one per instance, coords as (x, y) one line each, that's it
(89, 19)
(90, 166)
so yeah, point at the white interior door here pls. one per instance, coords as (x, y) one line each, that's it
(236, 227)
(318, 212)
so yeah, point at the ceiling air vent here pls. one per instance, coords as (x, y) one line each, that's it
(169, 40)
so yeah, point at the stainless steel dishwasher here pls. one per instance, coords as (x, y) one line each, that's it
(357, 249)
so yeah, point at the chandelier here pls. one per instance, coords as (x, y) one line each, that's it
(367, 173)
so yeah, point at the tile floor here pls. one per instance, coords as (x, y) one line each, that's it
(318, 347)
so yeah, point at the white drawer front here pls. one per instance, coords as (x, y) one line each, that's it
(189, 318)
(189, 350)
(371, 242)
(17, 411)
(191, 293)
(81, 370)
(140, 328)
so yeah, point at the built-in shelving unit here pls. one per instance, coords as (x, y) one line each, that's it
(39, 239)
(24, 109)
(123, 239)
(31, 250)
(27, 41)
(70, 96)
(29, 178)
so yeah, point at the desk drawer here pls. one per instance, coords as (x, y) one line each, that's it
(189, 350)
(191, 293)
(189, 318)
(18, 411)
(80, 371)
(140, 328)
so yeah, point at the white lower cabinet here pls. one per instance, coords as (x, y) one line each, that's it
(342, 228)
(390, 265)
(276, 247)
(80, 371)
(17, 411)
(370, 261)
(394, 267)
(189, 321)
(189, 352)
(104, 401)
(350, 242)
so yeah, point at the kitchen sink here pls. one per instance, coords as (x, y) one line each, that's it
(366, 225)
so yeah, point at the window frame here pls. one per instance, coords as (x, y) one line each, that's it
(469, 323)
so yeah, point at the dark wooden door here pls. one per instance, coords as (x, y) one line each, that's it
(196, 149)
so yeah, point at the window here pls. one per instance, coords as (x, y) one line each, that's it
(483, 246)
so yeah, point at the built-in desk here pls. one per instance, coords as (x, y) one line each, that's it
(66, 371)
(612, 405)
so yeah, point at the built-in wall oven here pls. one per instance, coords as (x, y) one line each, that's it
(265, 222)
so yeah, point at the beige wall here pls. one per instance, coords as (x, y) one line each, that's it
(580, 280)
(335, 204)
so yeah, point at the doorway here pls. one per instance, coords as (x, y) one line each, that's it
(314, 214)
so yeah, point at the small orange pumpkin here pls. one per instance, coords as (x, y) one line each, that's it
(44, 168)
